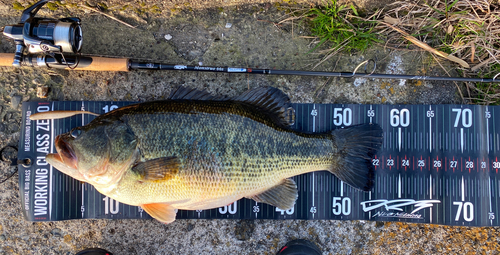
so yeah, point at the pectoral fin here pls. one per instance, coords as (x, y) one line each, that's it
(282, 195)
(162, 212)
(160, 169)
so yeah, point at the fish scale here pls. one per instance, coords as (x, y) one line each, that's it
(262, 149)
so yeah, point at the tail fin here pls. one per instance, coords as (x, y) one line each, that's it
(356, 147)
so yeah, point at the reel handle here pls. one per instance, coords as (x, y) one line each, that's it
(18, 56)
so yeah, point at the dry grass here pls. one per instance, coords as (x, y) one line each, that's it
(466, 32)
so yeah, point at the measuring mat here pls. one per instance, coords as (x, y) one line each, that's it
(438, 164)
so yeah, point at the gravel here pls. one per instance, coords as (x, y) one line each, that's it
(198, 33)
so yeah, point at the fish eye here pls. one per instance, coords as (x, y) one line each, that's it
(76, 132)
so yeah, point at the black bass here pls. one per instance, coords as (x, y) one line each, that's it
(196, 152)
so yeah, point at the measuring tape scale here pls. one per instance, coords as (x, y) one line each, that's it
(438, 164)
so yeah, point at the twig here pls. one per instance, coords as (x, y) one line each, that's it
(427, 47)
(274, 23)
(487, 61)
(334, 51)
(327, 81)
(109, 16)
(456, 84)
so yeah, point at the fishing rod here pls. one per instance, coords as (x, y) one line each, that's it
(91, 63)
(43, 42)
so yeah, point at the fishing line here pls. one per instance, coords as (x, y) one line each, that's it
(494, 77)
(8, 177)
(366, 63)
(10, 158)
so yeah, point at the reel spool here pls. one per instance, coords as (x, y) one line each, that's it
(44, 35)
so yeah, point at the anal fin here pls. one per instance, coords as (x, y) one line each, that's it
(282, 195)
(160, 169)
(162, 212)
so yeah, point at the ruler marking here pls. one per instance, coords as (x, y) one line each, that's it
(470, 190)
(385, 140)
(384, 185)
(489, 194)
(256, 204)
(463, 189)
(448, 185)
(371, 117)
(391, 143)
(421, 186)
(427, 187)
(370, 198)
(490, 138)
(487, 132)
(446, 140)
(440, 145)
(307, 128)
(415, 185)
(83, 183)
(498, 143)
(415, 142)
(479, 141)
(399, 186)
(462, 139)
(426, 140)
(399, 139)
(341, 188)
(391, 182)
(496, 200)
(471, 142)
(313, 191)
(314, 117)
(430, 130)
(408, 140)
(421, 141)
(408, 185)
(379, 186)
(314, 130)
(430, 197)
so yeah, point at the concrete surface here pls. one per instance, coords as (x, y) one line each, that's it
(199, 34)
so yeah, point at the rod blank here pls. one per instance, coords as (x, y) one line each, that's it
(157, 66)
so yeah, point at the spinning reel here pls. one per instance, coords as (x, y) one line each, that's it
(44, 36)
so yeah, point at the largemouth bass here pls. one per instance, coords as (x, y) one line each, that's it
(196, 152)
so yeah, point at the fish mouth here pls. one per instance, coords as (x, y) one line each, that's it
(65, 154)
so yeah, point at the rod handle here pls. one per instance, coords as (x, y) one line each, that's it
(107, 64)
(97, 64)
(6, 59)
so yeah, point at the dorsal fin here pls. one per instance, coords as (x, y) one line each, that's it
(192, 94)
(271, 100)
